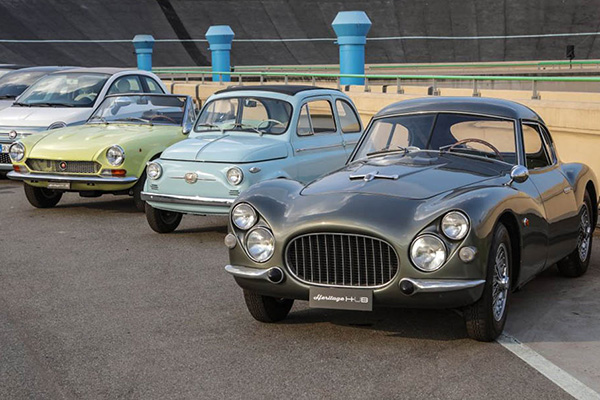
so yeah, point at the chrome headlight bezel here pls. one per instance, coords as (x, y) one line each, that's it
(14, 154)
(267, 242)
(246, 212)
(232, 172)
(154, 170)
(436, 261)
(455, 225)
(115, 155)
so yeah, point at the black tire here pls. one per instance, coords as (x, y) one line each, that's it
(41, 197)
(484, 321)
(136, 192)
(576, 264)
(265, 308)
(162, 221)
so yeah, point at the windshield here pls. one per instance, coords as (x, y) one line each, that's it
(14, 83)
(142, 109)
(260, 115)
(459, 133)
(64, 90)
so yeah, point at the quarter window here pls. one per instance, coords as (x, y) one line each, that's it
(126, 84)
(348, 119)
(153, 87)
(536, 152)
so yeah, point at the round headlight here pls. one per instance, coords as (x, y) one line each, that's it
(455, 225)
(12, 135)
(235, 176)
(16, 151)
(115, 155)
(57, 125)
(428, 253)
(243, 216)
(154, 170)
(260, 244)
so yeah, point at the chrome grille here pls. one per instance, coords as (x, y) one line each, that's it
(4, 158)
(73, 167)
(342, 260)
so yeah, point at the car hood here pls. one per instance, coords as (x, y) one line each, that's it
(6, 103)
(227, 148)
(417, 175)
(43, 117)
(86, 141)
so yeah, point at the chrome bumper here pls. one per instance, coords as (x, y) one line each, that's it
(273, 275)
(440, 285)
(32, 176)
(193, 200)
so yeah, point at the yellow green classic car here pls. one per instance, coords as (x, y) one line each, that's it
(106, 155)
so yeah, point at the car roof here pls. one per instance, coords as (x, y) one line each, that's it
(290, 90)
(41, 69)
(477, 105)
(100, 70)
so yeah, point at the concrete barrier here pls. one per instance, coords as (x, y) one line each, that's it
(571, 117)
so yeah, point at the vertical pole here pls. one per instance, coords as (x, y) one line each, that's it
(399, 89)
(351, 28)
(219, 39)
(144, 44)
(534, 95)
(476, 92)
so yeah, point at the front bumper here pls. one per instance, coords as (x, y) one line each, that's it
(32, 176)
(189, 200)
(425, 293)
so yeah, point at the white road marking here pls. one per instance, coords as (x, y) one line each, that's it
(551, 371)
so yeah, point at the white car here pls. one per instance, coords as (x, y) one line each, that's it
(67, 98)
(13, 83)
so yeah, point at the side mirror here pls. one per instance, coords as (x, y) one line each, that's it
(518, 174)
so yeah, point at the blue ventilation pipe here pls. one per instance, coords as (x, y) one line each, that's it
(351, 28)
(143, 49)
(219, 39)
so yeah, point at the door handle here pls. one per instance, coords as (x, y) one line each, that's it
(567, 190)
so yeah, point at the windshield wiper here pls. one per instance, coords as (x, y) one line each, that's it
(16, 103)
(7, 97)
(387, 150)
(101, 118)
(246, 127)
(145, 121)
(51, 105)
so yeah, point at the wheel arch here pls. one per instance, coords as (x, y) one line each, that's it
(509, 220)
(591, 189)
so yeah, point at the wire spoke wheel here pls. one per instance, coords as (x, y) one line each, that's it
(500, 282)
(585, 233)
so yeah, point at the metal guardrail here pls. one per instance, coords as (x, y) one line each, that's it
(434, 80)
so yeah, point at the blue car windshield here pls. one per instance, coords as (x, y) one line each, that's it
(255, 114)
(14, 83)
(78, 89)
(462, 133)
(144, 109)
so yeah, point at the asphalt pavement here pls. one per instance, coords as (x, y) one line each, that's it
(95, 305)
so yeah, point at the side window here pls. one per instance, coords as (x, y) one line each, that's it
(126, 84)
(536, 153)
(548, 145)
(348, 119)
(321, 116)
(153, 87)
(304, 122)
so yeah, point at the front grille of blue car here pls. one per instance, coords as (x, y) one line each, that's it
(70, 167)
(4, 158)
(337, 259)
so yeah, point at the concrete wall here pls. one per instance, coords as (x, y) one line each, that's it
(571, 117)
(184, 19)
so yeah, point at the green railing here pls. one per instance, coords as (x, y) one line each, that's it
(369, 78)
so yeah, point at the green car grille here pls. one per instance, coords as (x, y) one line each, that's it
(336, 259)
(72, 167)
(4, 158)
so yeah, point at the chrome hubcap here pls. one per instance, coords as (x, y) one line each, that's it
(585, 234)
(501, 282)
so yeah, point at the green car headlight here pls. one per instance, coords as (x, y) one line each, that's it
(115, 155)
(260, 244)
(428, 253)
(16, 151)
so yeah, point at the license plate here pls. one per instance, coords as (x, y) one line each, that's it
(5, 148)
(341, 298)
(59, 185)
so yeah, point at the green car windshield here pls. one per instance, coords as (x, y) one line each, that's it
(261, 115)
(77, 89)
(466, 134)
(140, 109)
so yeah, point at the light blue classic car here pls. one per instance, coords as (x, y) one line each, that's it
(245, 135)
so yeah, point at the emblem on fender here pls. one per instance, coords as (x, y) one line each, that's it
(191, 177)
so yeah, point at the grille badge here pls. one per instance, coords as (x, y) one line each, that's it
(62, 165)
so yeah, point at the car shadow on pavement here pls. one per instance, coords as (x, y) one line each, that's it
(442, 325)
(123, 205)
(202, 229)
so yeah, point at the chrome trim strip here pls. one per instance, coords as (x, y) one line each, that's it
(329, 146)
(28, 176)
(252, 273)
(441, 285)
(193, 200)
